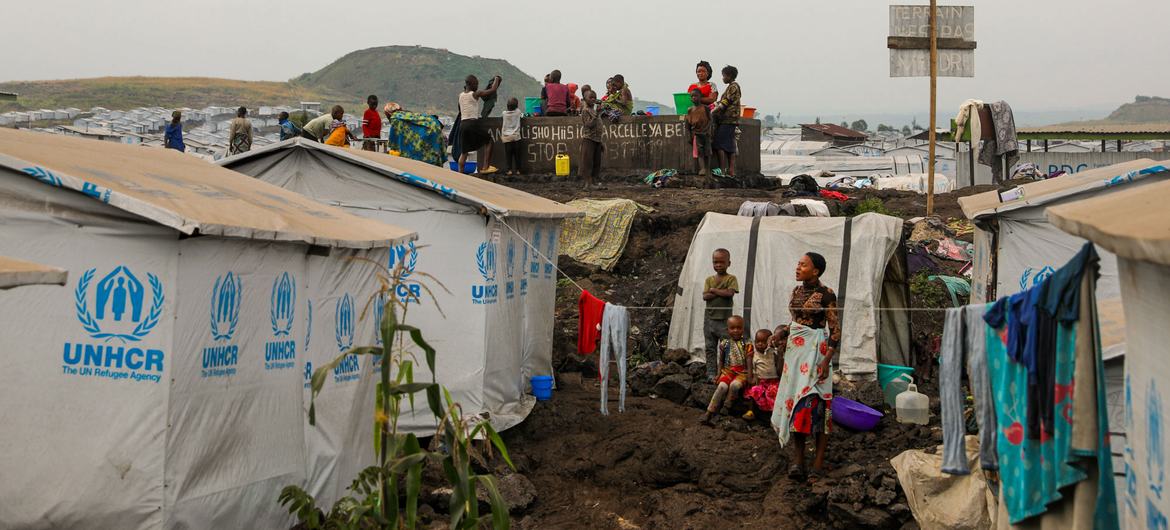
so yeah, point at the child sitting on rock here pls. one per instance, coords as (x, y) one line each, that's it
(765, 376)
(734, 355)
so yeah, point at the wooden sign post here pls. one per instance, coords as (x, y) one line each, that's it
(917, 33)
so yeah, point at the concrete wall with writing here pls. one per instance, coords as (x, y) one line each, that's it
(1050, 163)
(637, 145)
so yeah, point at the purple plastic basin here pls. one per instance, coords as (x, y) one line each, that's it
(854, 415)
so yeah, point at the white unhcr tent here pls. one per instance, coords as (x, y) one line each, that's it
(865, 270)
(15, 272)
(1016, 247)
(163, 386)
(1133, 224)
(491, 247)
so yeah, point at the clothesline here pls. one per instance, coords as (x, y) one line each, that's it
(541, 255)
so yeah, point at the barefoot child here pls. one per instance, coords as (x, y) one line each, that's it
(718, 292)
(699, 124)
(510, 134)
(734, 356)
(763, 381)
(591, 146)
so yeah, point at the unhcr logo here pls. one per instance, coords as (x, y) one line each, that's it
(551, 254)
(343, 325)
(509, 268)
(485, 259)
(281, 352)
(308, 337)
(407, 255)
(120, 319)
(535, 270)
(1032, 277)
(222, 358)
(524, 269)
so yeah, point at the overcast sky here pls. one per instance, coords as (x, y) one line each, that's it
(794, 56)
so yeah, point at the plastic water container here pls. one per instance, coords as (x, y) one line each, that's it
(542, 387)
(563, 165)
(652, 110)
(912, 406)
(530, 105)
(749, 112)
(537, 110)
(889, 372)
(682, 103)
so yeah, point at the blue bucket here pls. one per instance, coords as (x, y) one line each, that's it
(468, 167)
(542, 387)
(652, 110)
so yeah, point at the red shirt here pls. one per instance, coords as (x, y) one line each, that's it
(705, 90)
(372, 128)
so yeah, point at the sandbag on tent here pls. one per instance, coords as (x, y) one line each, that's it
(162, 387)
(858, 251)
(490, 250)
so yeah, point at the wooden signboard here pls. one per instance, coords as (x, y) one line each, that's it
(910, 35)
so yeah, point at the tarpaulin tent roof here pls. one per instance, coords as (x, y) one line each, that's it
(15, 272)
(1130, 223)
(1046, 191)
(454, 186)
(188, 194)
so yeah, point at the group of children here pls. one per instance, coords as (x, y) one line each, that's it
(711, 121)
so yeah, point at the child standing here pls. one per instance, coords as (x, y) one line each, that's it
(699, 125)
(371, 124)
(718, 292)
(727, 113)
(338, 134)
(765, 376)
(591, 146)
(734, 356)
(510, 134)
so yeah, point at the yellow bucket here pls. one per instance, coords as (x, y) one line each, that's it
(562, 165)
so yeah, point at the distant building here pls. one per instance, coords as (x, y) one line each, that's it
(827, 132)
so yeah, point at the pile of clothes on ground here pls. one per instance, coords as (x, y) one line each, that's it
(932, 242)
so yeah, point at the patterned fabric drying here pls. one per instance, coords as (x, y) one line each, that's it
(417, 136)
(599, 238)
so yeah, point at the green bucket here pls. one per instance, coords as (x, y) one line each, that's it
(530, 105)
(682, 103)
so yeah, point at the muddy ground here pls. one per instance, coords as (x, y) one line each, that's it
(655, 466)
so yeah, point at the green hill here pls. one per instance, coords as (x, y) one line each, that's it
(417, 77)
(1143, 109)
(122, 93)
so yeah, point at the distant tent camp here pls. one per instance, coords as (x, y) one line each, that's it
(492, 249)
(865, 268)
(163, 387)
(1133, 224)
(15, 272)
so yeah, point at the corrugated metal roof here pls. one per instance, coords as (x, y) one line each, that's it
(1133, 128)
(834, 130)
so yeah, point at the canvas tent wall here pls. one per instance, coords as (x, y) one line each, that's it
(1016, 247)
(491, 248)
(15, 272)
(764, 250)
(1133, 225)
(163, 386)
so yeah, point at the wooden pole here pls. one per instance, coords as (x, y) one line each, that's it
(933, 104)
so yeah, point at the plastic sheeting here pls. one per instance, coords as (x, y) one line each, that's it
(782, 240)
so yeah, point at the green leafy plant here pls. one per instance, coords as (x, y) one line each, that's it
(928, 293)
(386, 495)
(874, 205)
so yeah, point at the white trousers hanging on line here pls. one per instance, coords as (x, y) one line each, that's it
(615, 327)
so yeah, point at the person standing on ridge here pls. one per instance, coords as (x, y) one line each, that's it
(173, 137)
(473, 132)
(555, 97)
(371, 124)
(240, 133)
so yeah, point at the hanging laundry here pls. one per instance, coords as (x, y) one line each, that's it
(964, 336)
(1004, 147)
(590, 310)
(615, 327)
(600, 237)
